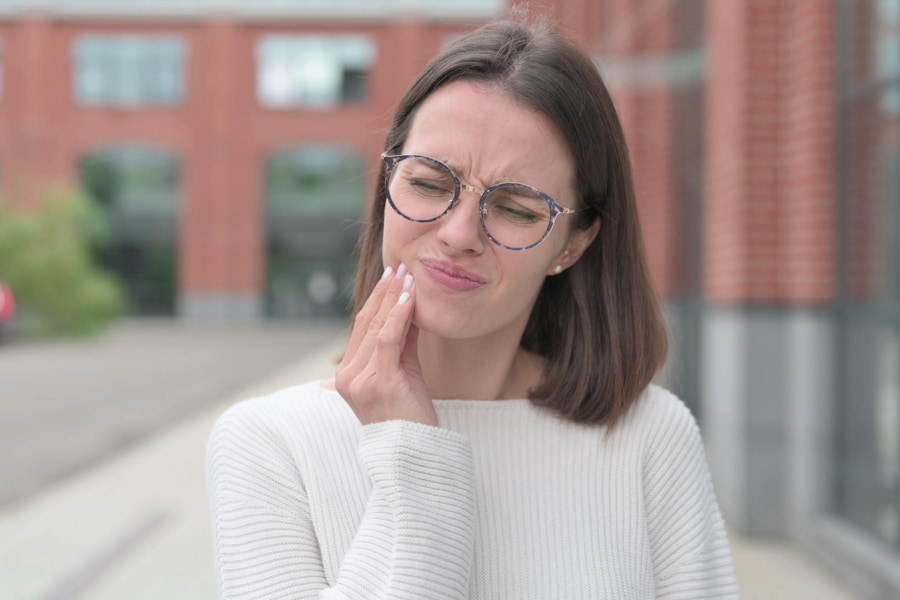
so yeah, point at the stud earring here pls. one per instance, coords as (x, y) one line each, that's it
(558, 269)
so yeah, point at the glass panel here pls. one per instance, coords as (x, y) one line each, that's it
(312, 71)
(887, 435)
(867, 478)
(315, 198)
(139, 191)
(868, 429)
(127, 70)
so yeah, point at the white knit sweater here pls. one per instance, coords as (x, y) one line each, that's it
(504, 501)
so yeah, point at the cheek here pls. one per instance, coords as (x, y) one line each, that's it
(398, 234)
(526, 274)
(546, 256)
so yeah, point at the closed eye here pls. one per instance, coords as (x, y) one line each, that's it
(429, 188)
(516, 215)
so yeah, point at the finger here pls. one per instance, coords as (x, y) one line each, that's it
(392, 339)
(395, 288)
(368, 327)
(367, 312)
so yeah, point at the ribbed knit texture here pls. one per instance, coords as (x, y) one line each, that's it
(505, 501)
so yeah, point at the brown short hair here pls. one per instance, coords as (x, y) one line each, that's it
(599, 324)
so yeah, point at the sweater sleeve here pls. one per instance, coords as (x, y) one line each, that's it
(415, 539)
(691, 556)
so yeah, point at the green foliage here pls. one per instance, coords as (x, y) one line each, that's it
(47, 258)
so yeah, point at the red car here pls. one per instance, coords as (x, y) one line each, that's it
(7, 311)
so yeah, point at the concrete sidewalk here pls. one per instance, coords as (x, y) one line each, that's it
(137, 527)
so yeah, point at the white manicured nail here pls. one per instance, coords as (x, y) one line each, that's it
(401, 270)
(404, 297)
(407, 281)
(387, 273)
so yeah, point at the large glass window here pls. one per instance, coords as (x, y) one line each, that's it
(315, 198)
(129, 70)
(867, 476)
(138, 189)
(312, 71)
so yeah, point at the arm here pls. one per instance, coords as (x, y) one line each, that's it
(691, 555)
(415, 538)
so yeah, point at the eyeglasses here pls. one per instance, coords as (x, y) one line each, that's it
(513, 215)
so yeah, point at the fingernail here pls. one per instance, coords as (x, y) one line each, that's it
(407, 281)
(403, 298)
(387, 273)
(401, 270)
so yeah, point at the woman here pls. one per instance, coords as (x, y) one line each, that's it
(491, 431)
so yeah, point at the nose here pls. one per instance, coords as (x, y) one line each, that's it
(460, 229)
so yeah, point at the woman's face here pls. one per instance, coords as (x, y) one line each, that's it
(466, 285)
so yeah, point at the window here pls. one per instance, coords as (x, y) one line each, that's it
(129, 70)
(889, 53)
(312, 71)
(139, 191)
(314, 201)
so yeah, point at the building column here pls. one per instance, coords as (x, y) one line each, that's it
(30, 103)
(222, 226)
(768, 255)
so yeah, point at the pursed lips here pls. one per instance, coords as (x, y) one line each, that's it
(452, 276)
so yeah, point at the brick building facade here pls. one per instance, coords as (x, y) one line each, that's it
(217, 130)
(766, 148)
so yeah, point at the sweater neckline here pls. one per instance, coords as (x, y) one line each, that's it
(449, 401)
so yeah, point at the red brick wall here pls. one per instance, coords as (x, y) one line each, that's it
(662, 117)
(867, 131)
(807, 153)
(767, 127)
(219, 133)
(629, 33)
(770, 152)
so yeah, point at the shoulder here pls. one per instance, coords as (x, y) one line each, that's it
(685, 529)
(307, 401)
(284, 417)
(659, 422)
(658, 407)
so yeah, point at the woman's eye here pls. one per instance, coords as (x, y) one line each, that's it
(429, 188)
(517, 215)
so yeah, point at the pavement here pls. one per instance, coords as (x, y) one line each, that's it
(67, 404)
(136, 526)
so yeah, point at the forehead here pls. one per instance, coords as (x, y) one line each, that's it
(487, 137)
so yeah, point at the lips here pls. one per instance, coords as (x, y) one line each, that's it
(451, 276)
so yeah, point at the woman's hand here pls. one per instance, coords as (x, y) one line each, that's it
(380, 376)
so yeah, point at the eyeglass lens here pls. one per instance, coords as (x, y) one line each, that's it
(422, 189)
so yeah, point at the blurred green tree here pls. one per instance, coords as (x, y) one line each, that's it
(47, 256)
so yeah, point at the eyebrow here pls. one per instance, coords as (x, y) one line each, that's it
(435, 167)
(453, 166)
(457, 169)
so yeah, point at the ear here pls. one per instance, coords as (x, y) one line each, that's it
(575, 247)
